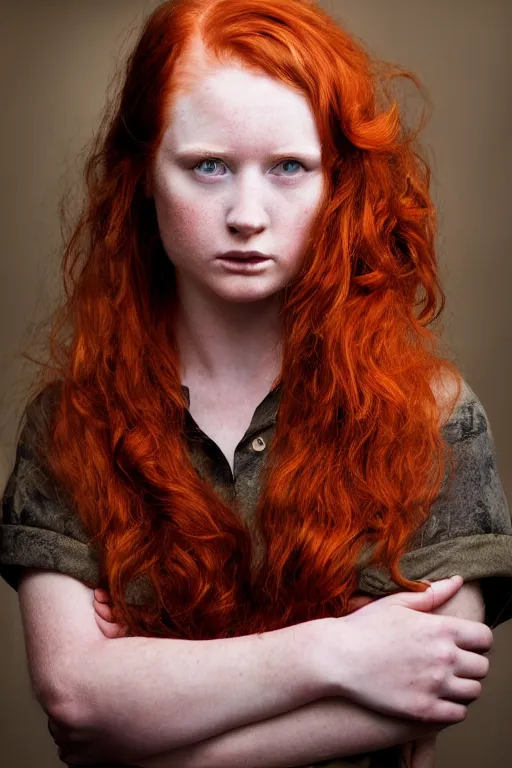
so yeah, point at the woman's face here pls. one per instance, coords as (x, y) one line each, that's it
(239, 168)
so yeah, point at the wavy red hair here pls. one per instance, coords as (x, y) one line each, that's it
(358, 455)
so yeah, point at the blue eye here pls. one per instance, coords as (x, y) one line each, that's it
(213, 161)
(291, 162)
(207, 160)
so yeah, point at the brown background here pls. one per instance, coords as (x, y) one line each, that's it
(56, 60)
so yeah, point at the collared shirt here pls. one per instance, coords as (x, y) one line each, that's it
(468, 532)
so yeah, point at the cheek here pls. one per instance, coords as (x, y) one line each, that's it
(298, 224)
(184, 222)
(306, 205)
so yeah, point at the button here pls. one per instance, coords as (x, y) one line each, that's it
(258, 444)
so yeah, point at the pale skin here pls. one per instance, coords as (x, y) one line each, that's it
(251, 742)
(239, 168)
(417, 754)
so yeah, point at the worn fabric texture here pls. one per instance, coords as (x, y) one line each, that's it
(469, 530)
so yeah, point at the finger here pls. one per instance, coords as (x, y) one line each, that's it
(106, 614)
(446, 711)
(102, 596)
(472, 635)
(359, 601)
(110, 630)
(104, 610)
(62, 736)
(461, 690)
(472, 665)
(406, 755)
(69, 759)
(55, 731)
(424, 753)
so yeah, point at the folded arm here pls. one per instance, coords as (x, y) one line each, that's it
(324, 729)
(328, 727)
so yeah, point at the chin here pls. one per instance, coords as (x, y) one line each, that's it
(247, 295)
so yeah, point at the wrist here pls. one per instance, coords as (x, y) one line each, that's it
(326, 670)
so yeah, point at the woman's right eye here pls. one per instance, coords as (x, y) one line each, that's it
(211, 161)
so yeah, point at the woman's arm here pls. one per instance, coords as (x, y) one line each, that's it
(327, 728)
(330, 726)
(136, 696)
(322, 730)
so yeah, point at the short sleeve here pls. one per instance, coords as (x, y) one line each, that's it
(38, 528)
(469, 529)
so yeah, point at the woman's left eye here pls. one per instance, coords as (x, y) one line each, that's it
(291, 162)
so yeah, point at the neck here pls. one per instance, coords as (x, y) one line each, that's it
(230, 342)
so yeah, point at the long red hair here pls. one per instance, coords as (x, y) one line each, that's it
(358, 455)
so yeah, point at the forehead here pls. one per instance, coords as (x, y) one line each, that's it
(232, 106)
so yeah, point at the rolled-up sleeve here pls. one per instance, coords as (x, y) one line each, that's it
(38, 528)
(469, 529)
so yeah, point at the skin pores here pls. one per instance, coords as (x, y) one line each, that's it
(239, 167)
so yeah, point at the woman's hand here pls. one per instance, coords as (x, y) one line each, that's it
(420, 753)
(74, 748)
(104, 615)
(76, 745)
(395, 656)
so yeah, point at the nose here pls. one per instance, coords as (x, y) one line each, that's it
(247, 213)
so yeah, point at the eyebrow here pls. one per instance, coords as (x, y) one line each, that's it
(312, 154)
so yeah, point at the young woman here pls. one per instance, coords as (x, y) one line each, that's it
(247, 429)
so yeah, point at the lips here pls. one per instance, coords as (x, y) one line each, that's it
(251, 256)
(253, 260)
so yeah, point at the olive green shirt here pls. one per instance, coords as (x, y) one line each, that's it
(469, 530)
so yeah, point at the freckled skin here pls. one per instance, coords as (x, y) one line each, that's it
(251, 116)
(241, 195)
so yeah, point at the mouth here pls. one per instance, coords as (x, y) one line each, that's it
(238, 260)
(245, 257)
(244, 263)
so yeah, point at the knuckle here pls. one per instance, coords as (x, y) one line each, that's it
(421, 709)
(442, 624)
(447, 654)
(437, 677)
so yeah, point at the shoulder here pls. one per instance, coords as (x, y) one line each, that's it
(462, 414)
(35, 426)
(450, 394)
(28, 478)
(41, 407)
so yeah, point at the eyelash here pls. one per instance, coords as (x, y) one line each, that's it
(218, 160)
